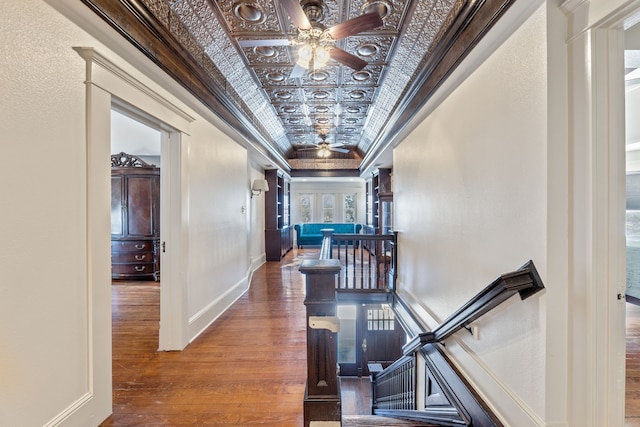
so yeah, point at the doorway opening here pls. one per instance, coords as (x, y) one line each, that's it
(135, 221)
(369, 339)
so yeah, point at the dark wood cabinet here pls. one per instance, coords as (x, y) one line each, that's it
(379, 210)
(379, 203)
(135, 218)
(278, 234)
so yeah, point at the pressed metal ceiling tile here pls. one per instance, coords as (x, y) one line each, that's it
(334, 102)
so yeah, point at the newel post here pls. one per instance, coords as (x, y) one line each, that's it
(322, 394)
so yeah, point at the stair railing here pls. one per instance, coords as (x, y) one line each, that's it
(443, 397)
(322, 397)
(368, 261)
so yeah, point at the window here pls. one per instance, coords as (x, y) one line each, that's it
(349, 204)
(306, 207)
(381, 319)
(328, 204)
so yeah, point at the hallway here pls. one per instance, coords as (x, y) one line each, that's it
(248, 368)
(230, 376)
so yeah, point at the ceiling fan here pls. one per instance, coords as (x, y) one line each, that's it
(317, 44)
(325, 149)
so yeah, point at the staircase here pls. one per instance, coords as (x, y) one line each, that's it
(442, 396)
(355, 395)
(374, 421)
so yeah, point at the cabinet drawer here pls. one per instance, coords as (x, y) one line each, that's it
(132, 257)
(130, 269)
(132, 246)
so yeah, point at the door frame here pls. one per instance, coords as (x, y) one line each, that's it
(596, 310)
(110, 85)
(362, 332)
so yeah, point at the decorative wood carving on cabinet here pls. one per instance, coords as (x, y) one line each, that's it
(135, 215)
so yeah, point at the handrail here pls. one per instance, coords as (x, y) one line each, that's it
(325, 249)
(396, 389)
(448, 410)
(525, 281)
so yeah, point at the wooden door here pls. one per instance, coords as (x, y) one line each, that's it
(369, 334)
(382, 337)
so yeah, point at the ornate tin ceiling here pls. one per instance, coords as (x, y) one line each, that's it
(244, 51)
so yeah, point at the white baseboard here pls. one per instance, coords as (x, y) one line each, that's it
(205, 317)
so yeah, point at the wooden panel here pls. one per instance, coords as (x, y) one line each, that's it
(132, 270)
(131, 245)
(278, 236)
(132, 257)
(117, 219)
(140, 204)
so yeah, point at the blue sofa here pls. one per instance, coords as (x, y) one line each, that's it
(310, 233)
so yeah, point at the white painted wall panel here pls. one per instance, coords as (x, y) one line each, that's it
(44, 291)
(470, 204)
(218, 240)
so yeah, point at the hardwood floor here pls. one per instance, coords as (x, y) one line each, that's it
(248, 368)
(632, 398)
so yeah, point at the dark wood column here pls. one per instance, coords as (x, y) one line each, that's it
(322, 395)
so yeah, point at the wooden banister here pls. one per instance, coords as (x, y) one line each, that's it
(368, 262)
(453, 402)
(524, 281)
(322, 396)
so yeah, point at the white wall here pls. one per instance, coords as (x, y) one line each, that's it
(55, 308)
(45, 316)
(218, 261)
(255, 205)
(470, 201)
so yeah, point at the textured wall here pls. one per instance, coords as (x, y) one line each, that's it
(45, 359)
(470, 202)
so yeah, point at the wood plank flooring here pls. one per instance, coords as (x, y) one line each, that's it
(248, 368)
(632, 398)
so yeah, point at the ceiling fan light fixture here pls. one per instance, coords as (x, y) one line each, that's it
(305, 53)
(313, 10)
(321, 56)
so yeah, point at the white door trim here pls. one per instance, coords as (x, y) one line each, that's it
(124, 89)
(597, 205)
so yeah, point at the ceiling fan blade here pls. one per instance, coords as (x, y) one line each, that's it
(297, 71)
(357, 25)
(264, 42)
(336, 144)
(296, 13)
(347, 59)
(339, 150)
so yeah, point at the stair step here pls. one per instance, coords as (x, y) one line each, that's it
(375, 421)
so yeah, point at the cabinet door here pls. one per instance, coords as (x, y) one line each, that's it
(117, 211)
(141, 197)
